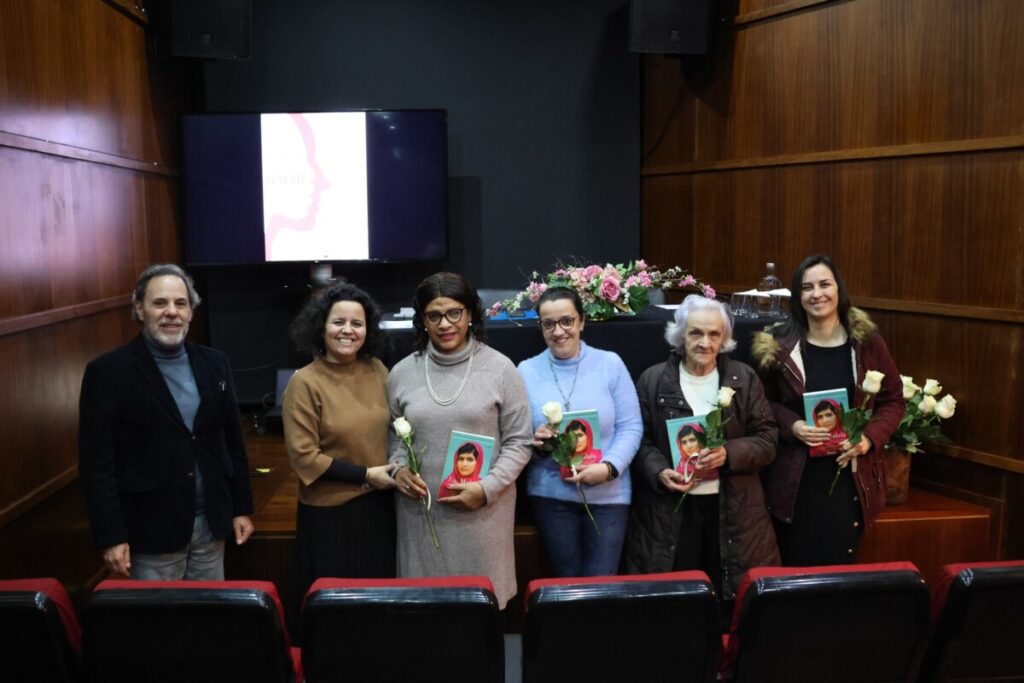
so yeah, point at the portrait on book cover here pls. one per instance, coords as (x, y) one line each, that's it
(688, 442)
(826, 412)
(465, 468)
(586, 426)
(686, 439)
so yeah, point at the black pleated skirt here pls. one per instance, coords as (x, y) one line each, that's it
(355, 540)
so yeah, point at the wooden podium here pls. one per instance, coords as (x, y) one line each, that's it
(930, 530)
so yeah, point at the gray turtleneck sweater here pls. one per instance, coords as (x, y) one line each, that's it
(493, 403)
(177, 372)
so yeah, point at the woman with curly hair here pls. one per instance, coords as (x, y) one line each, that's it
(336, 420)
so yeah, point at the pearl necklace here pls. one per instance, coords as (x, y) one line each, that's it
(558, 385)
(465, 378)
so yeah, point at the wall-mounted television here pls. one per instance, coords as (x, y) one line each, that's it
(317, 186)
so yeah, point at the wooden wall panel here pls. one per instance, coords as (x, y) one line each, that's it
(972, 359)
(889, 134)
(77, 233)
(88, 142)
(42, 376)
(668, 222)
(912, 229)
(866, 73)
(75, 72)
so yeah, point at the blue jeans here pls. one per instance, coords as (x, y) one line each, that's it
(573, 546)
(201, 560)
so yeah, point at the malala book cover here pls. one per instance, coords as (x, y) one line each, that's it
(825, 409)
(468, 459)
(686, 438)
(587, 427)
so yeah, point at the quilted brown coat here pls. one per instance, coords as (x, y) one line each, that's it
(746, 535)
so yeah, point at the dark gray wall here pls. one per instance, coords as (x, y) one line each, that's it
(543, 122)
(542, 99)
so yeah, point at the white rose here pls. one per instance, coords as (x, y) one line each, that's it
(402, 427)
(909, 388)
(552, 412)
(946, 407)
(932, 387)
(927, 404)
(725, 395)
(872, 381)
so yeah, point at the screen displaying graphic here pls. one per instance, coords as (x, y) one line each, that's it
(314, 186)
(325, 186)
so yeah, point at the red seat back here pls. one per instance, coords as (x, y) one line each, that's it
(187, 630)
(979, 623)
(404, 630)
(41, 638)
(647, 627)
(865, 622)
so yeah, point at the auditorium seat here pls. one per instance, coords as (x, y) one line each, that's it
(645, 627)
(40, 639)
(865, 622)
(402, 630)
(157, 631)
(979, 624)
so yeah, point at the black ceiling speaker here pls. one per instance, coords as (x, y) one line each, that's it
(671, 27)
(204, 29)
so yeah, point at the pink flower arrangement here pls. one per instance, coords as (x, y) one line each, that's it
(535, 289)
(610, 290)
(605, 290)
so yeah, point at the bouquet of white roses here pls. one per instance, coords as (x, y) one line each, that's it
(605, 290)
(921, 420)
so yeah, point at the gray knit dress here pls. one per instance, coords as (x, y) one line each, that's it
(493, 402)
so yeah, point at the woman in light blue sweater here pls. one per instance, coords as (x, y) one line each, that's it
(580, 378)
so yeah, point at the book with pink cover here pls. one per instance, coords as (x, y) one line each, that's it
(825, 409)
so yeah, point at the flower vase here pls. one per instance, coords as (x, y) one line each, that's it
(897, 475)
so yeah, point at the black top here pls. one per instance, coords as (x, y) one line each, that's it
(829, 368)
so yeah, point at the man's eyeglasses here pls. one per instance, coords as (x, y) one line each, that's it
(565, 322)
(453, 315)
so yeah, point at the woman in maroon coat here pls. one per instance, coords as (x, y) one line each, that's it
(826, 344)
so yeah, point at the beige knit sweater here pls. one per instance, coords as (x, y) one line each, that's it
(340, 412)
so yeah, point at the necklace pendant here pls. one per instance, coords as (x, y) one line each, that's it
(568, 407)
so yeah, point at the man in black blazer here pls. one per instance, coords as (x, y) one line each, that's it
(161, 453)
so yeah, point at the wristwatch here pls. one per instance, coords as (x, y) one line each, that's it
(612, 472)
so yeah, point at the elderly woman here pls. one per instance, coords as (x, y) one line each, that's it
(454, 381)
(581, 378)
(722, 526)
(336, 418)
(826, 344)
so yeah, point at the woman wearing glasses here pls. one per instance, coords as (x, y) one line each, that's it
(580, 378)
(454, 381)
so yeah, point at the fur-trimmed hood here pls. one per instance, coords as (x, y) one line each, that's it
(766, 346)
